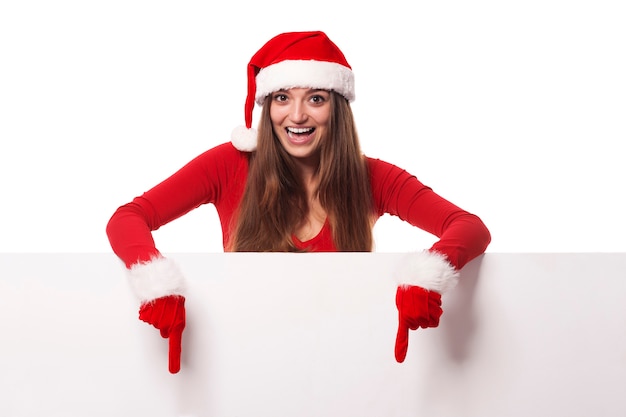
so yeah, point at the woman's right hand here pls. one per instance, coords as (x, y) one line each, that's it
(168, 315)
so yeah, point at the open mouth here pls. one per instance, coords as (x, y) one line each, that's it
(299, 132)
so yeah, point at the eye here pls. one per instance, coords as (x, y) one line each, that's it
(318, 99)
(279, 97)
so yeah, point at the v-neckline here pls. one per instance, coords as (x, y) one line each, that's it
(313, 239)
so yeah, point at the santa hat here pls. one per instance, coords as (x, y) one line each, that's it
(289, 60)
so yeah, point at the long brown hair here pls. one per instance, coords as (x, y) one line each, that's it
(275, 202)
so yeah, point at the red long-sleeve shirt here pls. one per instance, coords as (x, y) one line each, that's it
(218, 176)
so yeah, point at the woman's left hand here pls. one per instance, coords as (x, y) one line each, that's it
(417, 307)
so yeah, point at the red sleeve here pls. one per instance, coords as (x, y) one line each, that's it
(462, 235)
(217, 176)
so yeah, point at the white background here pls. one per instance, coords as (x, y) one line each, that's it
(512, 110)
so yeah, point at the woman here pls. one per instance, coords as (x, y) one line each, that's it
(300, 184)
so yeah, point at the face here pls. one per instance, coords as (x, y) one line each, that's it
(300, 119)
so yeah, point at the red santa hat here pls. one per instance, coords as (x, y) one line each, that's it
(289, 60)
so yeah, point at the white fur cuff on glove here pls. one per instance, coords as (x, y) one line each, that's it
(429, 270)
(157, 278)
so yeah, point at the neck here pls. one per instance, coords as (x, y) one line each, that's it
(308, 169)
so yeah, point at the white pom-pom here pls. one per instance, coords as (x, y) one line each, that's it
(244, 139)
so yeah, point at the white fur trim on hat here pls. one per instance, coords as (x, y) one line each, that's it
(244, 139)
(305, 74)
(157, 278)
(427, 269)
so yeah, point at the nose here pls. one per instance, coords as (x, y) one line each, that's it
(298, 112)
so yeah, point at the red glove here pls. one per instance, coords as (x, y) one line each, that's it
(168, 315)
(417, 307)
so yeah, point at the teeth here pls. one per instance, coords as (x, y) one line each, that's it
(299, 130)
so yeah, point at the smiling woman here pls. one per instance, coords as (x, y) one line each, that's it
(298, 183)
(299, 119)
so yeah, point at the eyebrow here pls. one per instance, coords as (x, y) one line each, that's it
(310, 90)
